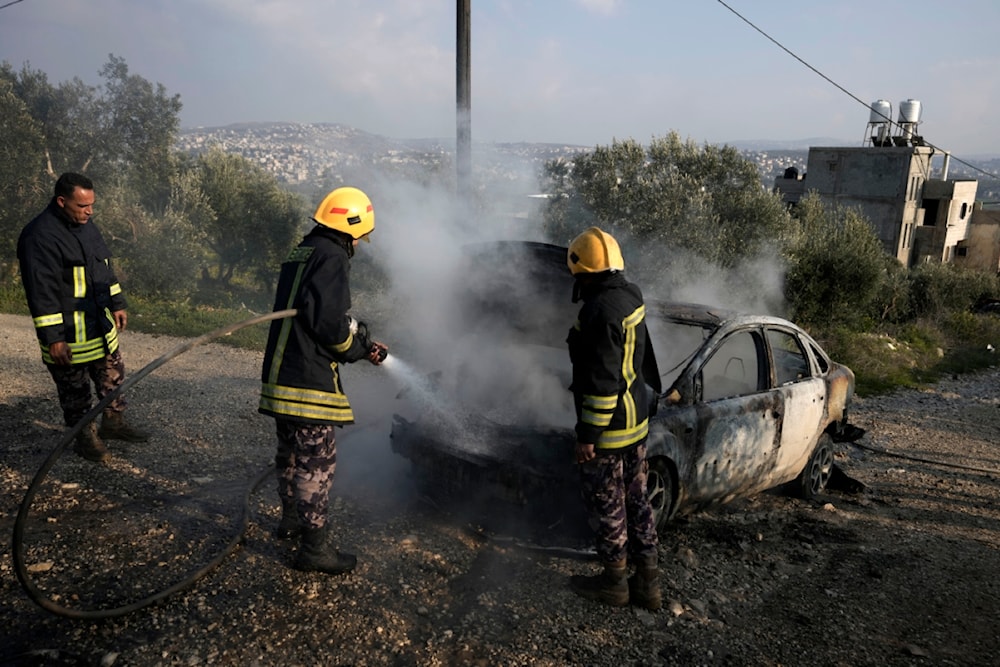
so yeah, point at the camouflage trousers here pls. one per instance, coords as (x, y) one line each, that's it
(614, 494)
(304, 466)
(73, 385)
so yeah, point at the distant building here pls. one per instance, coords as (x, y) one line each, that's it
(917, 217)
(981, 250)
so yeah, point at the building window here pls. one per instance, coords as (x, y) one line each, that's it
(965, 211)
(962, 251)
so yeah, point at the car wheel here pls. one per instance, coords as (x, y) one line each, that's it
(815, 476)
(660, 491)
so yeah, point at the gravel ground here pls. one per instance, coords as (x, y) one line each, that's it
(903, 573)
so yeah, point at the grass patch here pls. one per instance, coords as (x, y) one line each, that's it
(12, 299)
(917, 354)
(913, 355)
(185, 320)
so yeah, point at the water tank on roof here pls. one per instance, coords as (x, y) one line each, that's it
(881, 112)
(909, 111)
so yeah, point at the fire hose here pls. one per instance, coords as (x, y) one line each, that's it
(17, 546)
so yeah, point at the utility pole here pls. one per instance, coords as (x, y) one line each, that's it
(463, 90)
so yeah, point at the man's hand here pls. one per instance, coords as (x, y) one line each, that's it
(61, 354)
(121, 319)
(377, 353)
(584, 452)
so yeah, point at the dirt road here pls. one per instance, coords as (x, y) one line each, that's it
(905, 573)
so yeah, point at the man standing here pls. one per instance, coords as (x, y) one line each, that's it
(608, 347)
(300, 381)
(78, 308)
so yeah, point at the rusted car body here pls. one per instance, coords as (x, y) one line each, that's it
(750, 402)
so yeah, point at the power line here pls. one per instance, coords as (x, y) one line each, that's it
(12, 2)
(844, 90)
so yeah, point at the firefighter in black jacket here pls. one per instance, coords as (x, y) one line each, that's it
(78, 308)
(300, 379)
(612, 363)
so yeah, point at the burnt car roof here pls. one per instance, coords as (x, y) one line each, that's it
(692, 313)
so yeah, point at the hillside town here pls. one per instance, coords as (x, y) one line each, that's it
(300, 153)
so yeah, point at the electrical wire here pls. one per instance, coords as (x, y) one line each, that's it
(17, 545)
(845, 91)
(917, 459)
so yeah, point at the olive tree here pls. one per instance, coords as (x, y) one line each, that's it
(23, 186)
(254, 222)
(706, 200)
(836, 265)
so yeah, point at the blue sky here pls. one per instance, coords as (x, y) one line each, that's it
(565, 71)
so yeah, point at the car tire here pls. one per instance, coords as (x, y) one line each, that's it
(814, 477)
(660, 491)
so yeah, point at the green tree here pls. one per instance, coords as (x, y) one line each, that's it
(24, 189)
(138, 125)
(706, 200)
(124, 129)
(836, 266)
(254, 223)
(158, 255)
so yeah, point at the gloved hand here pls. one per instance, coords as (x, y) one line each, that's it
(360, 331)
(377, 353)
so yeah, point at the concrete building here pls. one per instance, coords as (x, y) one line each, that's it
(981, 248)
(918, 217)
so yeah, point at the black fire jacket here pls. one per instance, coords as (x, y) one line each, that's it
(608, 347)
(70, 285)
(299, 379)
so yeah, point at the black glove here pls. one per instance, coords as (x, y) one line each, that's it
(361, 335)
(375, 351)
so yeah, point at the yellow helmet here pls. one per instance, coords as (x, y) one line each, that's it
(347, 210)
(594, 251)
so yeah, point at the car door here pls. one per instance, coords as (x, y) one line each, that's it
(738, 420)
(803, 394)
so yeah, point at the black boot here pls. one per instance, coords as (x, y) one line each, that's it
(89, 445)
(289, 526)
(644, 585)
(114, 427)
(316, 554)
(609, 587)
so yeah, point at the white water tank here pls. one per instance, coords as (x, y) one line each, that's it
(909, 112)
(881, 112)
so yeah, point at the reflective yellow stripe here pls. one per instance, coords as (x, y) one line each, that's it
(346, 345)
(79, 282)
(600, 402)
(305, 403)
(618, 438)
(629, 325)
(298, 394)
(47, 320)
(116, 289)
(600, 419)
(88, 350)
(286, 323)
(80, 326)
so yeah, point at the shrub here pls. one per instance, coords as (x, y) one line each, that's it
(836, 266)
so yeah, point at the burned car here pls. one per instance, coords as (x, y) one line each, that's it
(749, 402)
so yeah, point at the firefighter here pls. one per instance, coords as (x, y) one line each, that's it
(78, 308)
(300, 378)
(612, 363)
